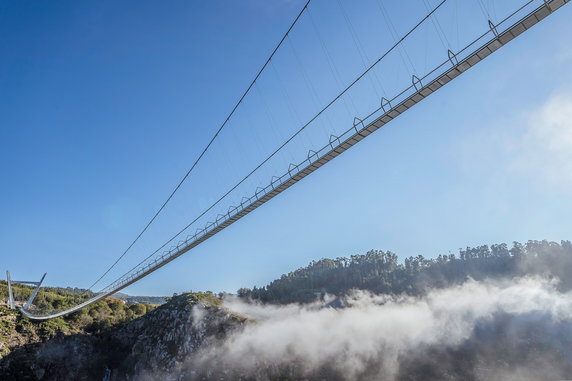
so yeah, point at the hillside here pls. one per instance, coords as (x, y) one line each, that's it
(490, 313)
(154, 342)
(16, 331)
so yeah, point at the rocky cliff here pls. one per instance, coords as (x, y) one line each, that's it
(152, 344)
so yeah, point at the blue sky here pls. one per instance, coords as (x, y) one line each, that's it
(103, 107)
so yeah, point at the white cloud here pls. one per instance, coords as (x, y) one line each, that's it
(534, 147)
(376, 330)
(544, 150)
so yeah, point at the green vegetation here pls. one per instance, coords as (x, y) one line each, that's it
(381, 272)
(72, 349)
(49, 298)
(16, 330)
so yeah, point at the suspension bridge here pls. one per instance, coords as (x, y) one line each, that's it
(494, 35)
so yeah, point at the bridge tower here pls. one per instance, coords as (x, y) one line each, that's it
(28, 282)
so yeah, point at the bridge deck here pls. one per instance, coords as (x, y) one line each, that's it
(436, 79)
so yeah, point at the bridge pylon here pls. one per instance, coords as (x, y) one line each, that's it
(28, 303)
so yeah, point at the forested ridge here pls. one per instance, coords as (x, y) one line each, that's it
(382, 272)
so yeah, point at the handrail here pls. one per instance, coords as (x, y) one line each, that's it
(346, 140)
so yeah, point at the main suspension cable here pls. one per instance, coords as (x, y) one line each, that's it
(290, 138)
(207, 146)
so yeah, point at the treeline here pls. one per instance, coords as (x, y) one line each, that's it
(382, 272)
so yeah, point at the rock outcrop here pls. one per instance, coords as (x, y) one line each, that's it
(155, 344)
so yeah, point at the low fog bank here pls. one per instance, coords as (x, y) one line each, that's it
(479, 330)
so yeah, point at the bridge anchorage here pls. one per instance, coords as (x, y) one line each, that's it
(495, 36)
(28, 303)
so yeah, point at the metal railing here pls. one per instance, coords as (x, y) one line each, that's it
(421, 87)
